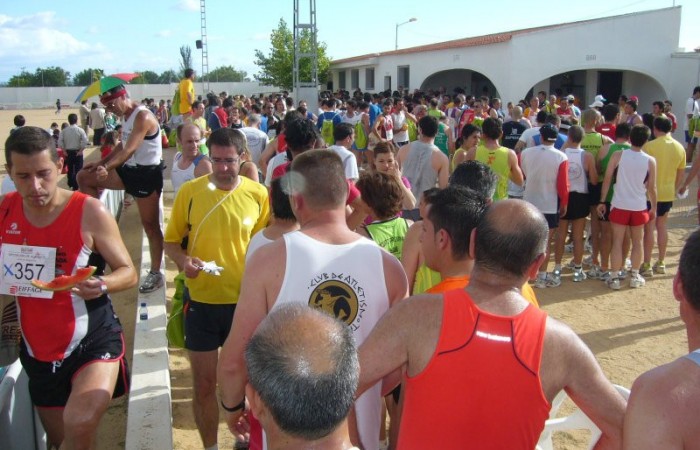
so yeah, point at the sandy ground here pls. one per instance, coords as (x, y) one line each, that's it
(629, 331)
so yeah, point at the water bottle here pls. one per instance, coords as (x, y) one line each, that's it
(143, 315)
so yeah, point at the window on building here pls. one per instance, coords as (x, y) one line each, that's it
(369, 79)
(387, 83)
(354, 78)
(341, 80)
(403, 77)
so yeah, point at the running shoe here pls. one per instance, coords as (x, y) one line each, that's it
(588, 261)
(637, 281)
(570, 265)
(645, 270)
(549, 280)
(554, 280)
(540, 282)
(587, 247)
(595, 273)
(613, 283)
(579, 275)
(659, 267)
(569, 248)
(153, 281)
(606, 276)
(628, 264)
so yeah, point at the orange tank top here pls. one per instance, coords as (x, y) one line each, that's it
(482, 388)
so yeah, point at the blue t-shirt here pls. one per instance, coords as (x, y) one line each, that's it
(561, 138)
(328, 115)
(374, 112)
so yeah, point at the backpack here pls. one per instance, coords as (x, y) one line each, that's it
(175, 105)
(327, 129)
(412, 130)
(360, 136)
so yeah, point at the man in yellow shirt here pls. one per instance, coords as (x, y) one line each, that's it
(670, 170)
(187, 92)
(218, 214)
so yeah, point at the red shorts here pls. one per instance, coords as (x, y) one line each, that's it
(631, 218)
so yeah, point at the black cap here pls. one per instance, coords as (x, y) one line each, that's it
(549, 132)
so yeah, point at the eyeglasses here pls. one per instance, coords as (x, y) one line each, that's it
(227, 161)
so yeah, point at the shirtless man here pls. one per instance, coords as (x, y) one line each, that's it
(344, 265)
(136, 166)
(494, 386)
(72, 347)
(664, 408)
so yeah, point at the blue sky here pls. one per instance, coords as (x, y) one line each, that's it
(132, 35)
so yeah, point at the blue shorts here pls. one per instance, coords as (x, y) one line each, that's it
(690, 139)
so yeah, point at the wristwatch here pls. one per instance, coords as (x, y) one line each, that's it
(103, 285)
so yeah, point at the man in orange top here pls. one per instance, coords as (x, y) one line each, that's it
(479, 358)
(450, 223)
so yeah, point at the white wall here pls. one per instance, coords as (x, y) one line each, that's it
(37, 97)
(530, 58)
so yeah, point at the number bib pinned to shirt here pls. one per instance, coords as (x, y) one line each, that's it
(20, 264)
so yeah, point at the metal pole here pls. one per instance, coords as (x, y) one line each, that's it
(396, 43)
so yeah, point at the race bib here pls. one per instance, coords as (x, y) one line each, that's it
(23, 263)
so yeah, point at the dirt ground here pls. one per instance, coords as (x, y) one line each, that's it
(629, 331)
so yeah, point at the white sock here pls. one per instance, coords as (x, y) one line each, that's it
(213, 447)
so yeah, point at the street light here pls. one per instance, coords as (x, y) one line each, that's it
(412, 19)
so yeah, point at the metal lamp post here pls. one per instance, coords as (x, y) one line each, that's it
(412, 19)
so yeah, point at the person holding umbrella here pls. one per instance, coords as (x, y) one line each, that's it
(136, 166)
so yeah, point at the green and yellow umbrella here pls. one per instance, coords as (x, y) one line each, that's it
(104, 84)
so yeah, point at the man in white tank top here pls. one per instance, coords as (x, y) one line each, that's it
(324, 265)
(636, 180)
(135, 165)
(664, 407)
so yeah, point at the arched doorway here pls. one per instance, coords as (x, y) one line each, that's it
(470, 81)
(610, 83)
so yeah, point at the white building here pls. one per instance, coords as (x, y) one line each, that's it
(631, 54)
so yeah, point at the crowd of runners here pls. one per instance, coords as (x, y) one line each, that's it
(454, 201)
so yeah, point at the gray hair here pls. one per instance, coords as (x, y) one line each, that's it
(303, 364)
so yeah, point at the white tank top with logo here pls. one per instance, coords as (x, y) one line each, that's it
(346, 281)
(578, 182)
(150, 152)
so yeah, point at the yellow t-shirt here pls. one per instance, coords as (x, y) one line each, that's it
(219, 233)
(670, 157)
(186, 86)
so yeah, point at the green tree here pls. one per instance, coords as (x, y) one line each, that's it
(51, 76)
(146, 77)
(23, 79)
(186, 59)
(227, 73)
(169, 76)
(87, 76)
(277, 66)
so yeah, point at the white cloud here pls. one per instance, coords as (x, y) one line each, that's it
(38, 40)
(164, 33)
(36, 36)
(260, 37)
(187, 5)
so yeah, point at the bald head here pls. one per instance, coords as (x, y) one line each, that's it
(511, 236)
(297, 359)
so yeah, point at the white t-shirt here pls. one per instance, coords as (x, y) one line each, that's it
(349, 161)
(399, 119)
(541, 167)
(258, 240)
(257, 141)
(528, 136)
(275, 161)
(351, 120)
